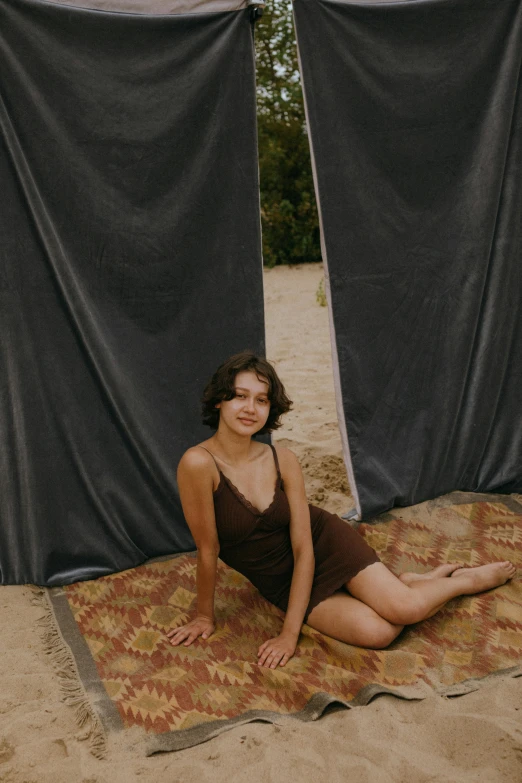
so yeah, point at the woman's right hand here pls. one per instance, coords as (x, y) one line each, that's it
(185, 634)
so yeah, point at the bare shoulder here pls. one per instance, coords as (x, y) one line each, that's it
(291, 473)
(288, 461)
(196, 461)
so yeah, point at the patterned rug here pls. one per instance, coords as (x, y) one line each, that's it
(114, 629)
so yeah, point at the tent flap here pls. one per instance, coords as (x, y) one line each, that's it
(415, 120)
(130, 265)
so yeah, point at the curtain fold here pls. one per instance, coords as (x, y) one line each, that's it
(130, 265)
(415, 116)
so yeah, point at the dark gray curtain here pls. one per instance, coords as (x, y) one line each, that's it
(130, 266)
(415, 120)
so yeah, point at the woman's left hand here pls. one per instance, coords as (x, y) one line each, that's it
(276, 652)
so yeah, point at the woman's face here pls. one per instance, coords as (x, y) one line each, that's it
(247, 412)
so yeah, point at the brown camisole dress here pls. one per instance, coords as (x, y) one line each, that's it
(258, 544)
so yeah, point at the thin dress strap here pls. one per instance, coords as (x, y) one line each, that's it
(209, 452)
(274, 452)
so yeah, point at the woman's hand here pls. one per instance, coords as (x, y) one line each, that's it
(200, 626)
(277, 652)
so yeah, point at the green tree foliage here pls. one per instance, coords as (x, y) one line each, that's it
(288, 210)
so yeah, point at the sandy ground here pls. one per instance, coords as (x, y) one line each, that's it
(477, 737)
(298, 343)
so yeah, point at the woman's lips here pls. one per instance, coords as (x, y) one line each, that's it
(246, 421)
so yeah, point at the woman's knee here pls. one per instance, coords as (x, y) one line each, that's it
(407, 609)
(380, 634)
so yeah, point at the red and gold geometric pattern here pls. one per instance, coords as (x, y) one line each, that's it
(124, 618)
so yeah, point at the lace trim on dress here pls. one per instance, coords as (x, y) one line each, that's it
(245, 501)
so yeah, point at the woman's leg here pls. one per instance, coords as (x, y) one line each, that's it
(443, 570)
(381, 604)
(400, 603)
(345, 618)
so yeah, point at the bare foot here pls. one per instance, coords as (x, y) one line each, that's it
(436, 573)
(485, 577)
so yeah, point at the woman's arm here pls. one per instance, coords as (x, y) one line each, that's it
(195, 488)
(278, 651)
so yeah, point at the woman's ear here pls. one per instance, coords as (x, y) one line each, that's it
(217, 405)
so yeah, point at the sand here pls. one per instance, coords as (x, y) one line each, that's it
(477, 737)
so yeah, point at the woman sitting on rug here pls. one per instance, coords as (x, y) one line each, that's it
(308, 562)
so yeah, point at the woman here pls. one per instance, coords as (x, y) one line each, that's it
(245, 502)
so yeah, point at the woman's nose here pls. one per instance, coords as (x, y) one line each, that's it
(249, 404)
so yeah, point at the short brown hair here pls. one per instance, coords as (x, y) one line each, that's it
(221, 387)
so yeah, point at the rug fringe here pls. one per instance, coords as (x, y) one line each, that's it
(63, 663)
